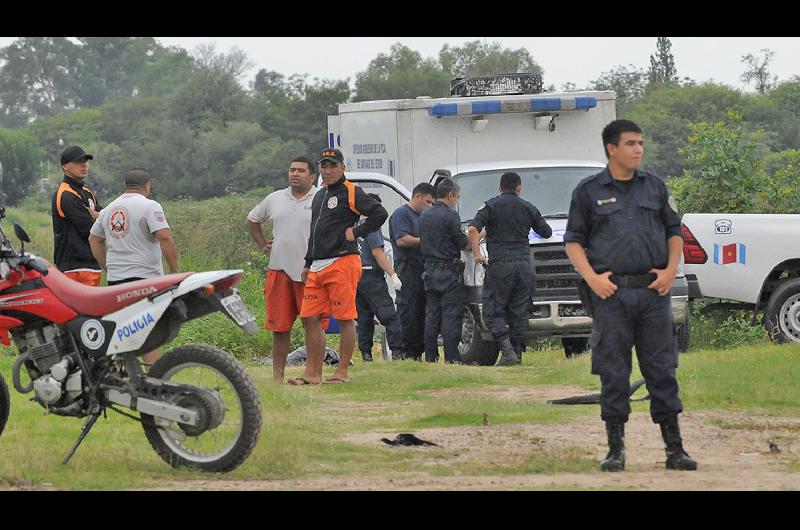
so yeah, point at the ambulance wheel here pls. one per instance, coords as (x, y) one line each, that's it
(473, 349)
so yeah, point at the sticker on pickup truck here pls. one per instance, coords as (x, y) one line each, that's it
(732, 253)
(723, 226)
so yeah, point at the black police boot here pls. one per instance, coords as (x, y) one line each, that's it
(677, 458)
(398, 355)
(509, 356)
(366, 357)
(615, 459)
(519, 348)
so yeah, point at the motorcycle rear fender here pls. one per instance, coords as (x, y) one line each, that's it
(135, 322)
(201, 279)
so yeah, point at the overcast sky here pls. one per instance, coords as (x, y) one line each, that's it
(564, 59)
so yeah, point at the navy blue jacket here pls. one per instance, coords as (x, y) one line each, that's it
(508, 219)
(625, 233)
(441, 237)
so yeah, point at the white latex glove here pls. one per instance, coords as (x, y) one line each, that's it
(396, 282)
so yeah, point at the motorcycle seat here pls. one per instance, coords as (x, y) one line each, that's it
(99, 301)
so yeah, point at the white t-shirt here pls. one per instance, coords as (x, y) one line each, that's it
(127, 225)
(291, 226)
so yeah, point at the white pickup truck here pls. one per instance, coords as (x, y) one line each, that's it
(750, 259)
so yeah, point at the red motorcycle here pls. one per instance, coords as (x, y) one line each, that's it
(80, 348)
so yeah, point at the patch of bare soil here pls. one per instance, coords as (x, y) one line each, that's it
(733, 452)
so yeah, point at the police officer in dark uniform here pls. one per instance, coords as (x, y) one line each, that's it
(445, 294)
(404, 235)
(372, 297)
(508, 287)
(624, 238)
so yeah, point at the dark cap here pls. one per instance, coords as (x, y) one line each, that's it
(73, 154)
(136, 177)
(331, 154)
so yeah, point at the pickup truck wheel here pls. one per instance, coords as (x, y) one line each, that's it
(574, 345)
(473, 349)
(782, 315)
(684, 333)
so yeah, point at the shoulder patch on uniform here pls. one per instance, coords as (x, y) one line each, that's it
(482, 206)
(672, 204)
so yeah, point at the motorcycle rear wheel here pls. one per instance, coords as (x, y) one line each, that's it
(5, 404)
(227, 443)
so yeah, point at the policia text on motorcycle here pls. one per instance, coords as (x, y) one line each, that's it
(507, 289)
(624, 238)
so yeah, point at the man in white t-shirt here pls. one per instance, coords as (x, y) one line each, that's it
(289, 209)
(130, 236)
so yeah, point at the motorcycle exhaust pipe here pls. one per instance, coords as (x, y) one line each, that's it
(15, 375)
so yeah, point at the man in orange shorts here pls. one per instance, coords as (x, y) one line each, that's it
(290, 212)
(333, 264)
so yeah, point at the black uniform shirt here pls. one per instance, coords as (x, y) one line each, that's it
(441, 238)
(625, 233)
(508, 219)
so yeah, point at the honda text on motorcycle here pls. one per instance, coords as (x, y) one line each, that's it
(79, 348)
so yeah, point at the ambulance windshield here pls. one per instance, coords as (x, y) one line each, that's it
(547, 188)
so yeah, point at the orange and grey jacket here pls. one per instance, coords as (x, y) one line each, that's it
(334, 209)
(71, 225)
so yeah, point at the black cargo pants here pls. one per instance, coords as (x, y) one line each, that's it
(508, 300)
(411, 307)
(445, 299)
(373, 300)
(635, 317)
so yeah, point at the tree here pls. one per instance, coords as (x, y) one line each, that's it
(20, 157)
(401, 74)
(662, 65)
(629, 82)
(664, 114)
(486, 58)
(234, 63)
(758, 71)
(722, 157)
(209, 98)
(37, 78)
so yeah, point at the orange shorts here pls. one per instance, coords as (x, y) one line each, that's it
(85, 277)
(284, 300)
(333, 289)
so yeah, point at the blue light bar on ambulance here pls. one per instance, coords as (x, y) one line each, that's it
(497, 106)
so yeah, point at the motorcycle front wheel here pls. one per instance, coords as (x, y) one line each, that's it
(5, 404)
(230, 431)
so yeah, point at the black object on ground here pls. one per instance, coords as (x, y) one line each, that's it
(594, 399)
(407, 439)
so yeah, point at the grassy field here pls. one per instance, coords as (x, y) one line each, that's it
(304, 427)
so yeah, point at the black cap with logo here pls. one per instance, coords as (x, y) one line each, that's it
(333, 155)
(74, 154)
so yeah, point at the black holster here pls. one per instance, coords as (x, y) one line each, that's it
(584, 293)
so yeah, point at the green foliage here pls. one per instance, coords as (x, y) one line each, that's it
(403, 73)
(662, 65)
(721, 157)
(724, 328)
(629, 82)
(486, 58)
(19, 158)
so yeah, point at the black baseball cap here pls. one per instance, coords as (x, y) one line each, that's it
(333, 155)
(73, 154)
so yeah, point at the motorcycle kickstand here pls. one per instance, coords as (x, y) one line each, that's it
(84, 431)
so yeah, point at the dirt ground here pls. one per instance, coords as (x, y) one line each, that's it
(733, 453)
